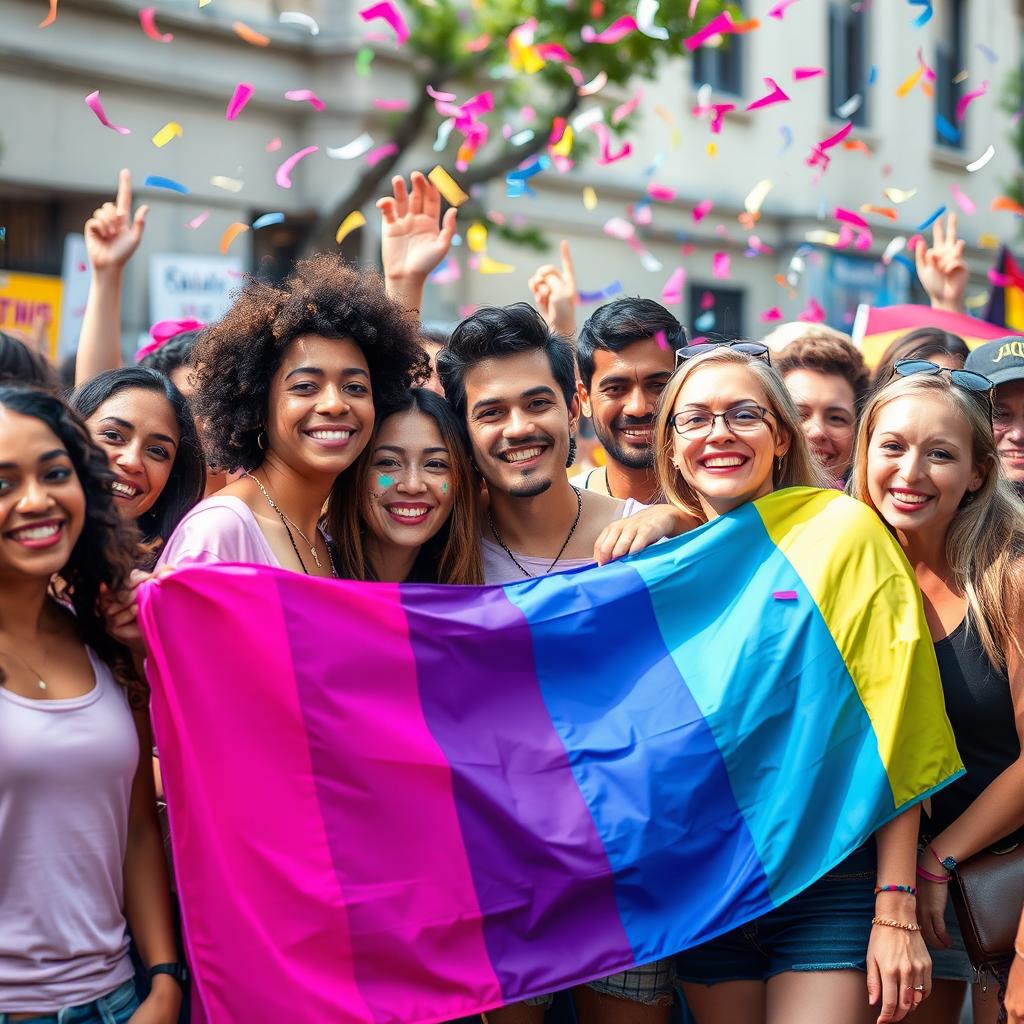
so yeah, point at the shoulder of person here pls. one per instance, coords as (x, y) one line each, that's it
(221, 528)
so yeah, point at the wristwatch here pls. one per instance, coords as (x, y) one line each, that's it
(179, 972)
(949, 863)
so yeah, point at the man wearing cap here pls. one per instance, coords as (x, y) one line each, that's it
(1002, 361)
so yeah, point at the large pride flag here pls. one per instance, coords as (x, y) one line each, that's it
(410, 803)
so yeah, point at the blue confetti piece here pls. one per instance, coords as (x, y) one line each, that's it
(931, 220)
(3, 234)
(266, 220)
(516, 189)
(156, 181)
(989, 54)
(606, 292)
(926, 14)
(705, 321)
(787, 137)
(542, 163)
(873, 74)
(947, 130)
(903, 258)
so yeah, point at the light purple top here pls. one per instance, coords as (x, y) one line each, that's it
(499, 568)
(66, 772)
(219, 529)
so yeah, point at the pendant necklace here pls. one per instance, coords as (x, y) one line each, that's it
(288, 523)
(561, 550)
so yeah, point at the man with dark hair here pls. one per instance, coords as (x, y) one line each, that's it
(626, 354)
(514, 382)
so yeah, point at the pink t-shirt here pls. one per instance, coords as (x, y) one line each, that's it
(499, 568)
(220, 529)
(66, 772)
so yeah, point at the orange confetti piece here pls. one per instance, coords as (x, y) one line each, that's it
(232, 232)
(881, 211)
(250, 35)
(1007, 204)
(908, 83)
(741, 27)
(51, 17)
(858, 144)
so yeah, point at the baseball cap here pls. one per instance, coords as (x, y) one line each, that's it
(1001, 360)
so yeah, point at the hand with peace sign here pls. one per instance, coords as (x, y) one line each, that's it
(555, 293)
(943, 272)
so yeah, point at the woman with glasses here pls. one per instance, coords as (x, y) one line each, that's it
(827, 380)
(727, 433)
(926, 461)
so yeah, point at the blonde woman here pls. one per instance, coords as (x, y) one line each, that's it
(926, 460)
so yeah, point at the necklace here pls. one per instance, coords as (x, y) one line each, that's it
(287, 524)
(42, 685)
(572, 530)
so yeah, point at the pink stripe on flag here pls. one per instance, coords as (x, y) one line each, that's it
(388, 816)
(254, 824)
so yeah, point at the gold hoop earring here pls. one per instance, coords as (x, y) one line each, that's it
(261, 440)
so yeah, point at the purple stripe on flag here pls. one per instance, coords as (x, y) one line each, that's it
(385, 793)
(541, 872)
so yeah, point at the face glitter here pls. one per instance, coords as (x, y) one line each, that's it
(384, 480)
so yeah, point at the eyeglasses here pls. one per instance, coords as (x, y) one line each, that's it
(976, 383)
(749, 348)
(742, 419)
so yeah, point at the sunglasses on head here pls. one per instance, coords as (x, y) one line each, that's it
(976, 383)
(754, 349)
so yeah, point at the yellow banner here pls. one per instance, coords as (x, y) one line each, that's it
(23, 298)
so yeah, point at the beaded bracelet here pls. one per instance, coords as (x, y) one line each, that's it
(929, 877)
(910, 890)
(902, 925)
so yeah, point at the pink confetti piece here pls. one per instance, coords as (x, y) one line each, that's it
(617, 227)
(242, 94)
(774, 95)
(273, 145)
(963, 200)
(812, 313)
(390, 13)
(605, 139)
(662, 193)
(968, 98)
(999, 279)
(300, 95)
(672, 292)
(96, 106)
(613, 33)
(283, 174)
(720, 265)
(147, 18)
(701, 210)
(693, 8)
(772, 315)
(198, 222)
(446, 97)
(707, 301)
(721, 24)
(800, 74)
(928, 72)
(623, 110)
(554, 52)
(661, 338)
(779, 9)
(819, 152)
(643, 215)
(480, 43)
(850, 217)
(785, 595)
(391, 104)
(381, 153)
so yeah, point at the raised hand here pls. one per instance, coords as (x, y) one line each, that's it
(941, 268)
(112, 234)
(414, 237)
(555, 293)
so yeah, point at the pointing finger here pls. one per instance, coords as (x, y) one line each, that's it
(568, 270)
(124, 192)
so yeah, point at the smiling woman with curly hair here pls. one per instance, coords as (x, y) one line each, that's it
(287, 383)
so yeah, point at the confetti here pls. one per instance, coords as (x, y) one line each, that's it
(94, 103)
(273, 145)
(787, 137)
(661, 193)
(931, 218)
(147, 18)
(618, 228)
(976, 165)
(771, 315)
(490, 266)
(849, 217)
(156, 181)
(364, 58)
(197, 222)
(645, 13)
(989, 54)
(283, 174)
(242, 94)
(721, 24)
(899, 195)
(383, 480)
(595, 85)
(391, 104)
(926, 14)
(780, 9)
(607, 292)
(230, 234)
(812, 313)
(968, 98)
(604, 137)
(672, 292)
(1008, 205)
(447, 186)
(171, 130)
(701, 210)
(476, 237)
(356, 148)
(799, 74)
(227, 184)
(300, 95)
(908, 83)
(963, 200)
(381, 153)
(947, 130)
(51, 17)
(720, 265)
(896, 245)
(819, 153)
(774, 95)
(850, 107)
(785, 595)
(352, 222)
(613, 33)
(880, 211)
(267, 220)
(390, 13)
(563, 147)
(250, 36)
(520, 138)
(299, 18)
(757, 195)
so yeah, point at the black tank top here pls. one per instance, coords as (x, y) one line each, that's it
(980, 709)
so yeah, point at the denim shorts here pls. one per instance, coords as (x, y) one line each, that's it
(652, 984)
(114, 1008)
(824, 928)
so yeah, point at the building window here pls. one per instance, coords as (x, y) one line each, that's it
(950, 60)
(715, 313)
(721, 66)
(848, 63)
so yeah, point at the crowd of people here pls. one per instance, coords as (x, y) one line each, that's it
(316, 428)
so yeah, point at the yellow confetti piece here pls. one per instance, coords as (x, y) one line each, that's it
(822, 237)
(489, 266)
(228, 184)
(476, 237)
(899, 195)
(352, 222)
(171, 130)
(908, 83)
(589, 198)
(987, 241)
(712, 150)
(447, 186)
(758, 194)
(203, 3)
(976, 301)
(232, 232)
(563, 147)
